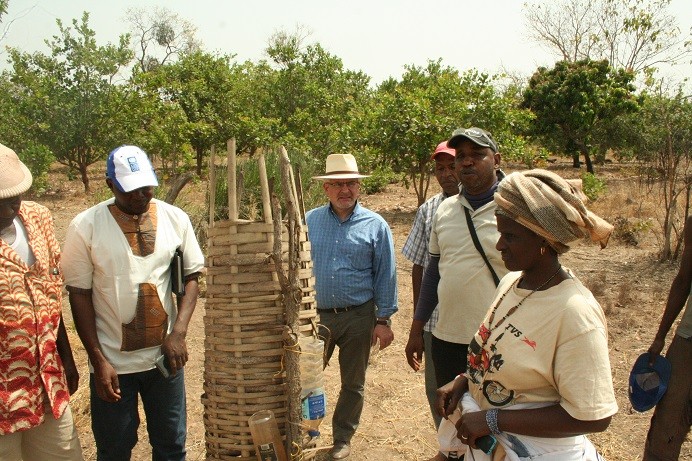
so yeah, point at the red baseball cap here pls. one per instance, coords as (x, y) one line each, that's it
(442, 148)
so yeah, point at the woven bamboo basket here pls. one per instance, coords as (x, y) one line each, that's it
(245, 324)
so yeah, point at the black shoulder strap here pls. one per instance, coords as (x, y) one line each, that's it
(477, 243)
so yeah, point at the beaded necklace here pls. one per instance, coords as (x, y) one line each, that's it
(513, 309)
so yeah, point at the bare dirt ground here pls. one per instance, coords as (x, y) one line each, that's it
(396, 423)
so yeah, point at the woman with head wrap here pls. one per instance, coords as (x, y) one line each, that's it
(538, 375)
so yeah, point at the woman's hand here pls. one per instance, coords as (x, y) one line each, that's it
(472, 426)
(448, 396)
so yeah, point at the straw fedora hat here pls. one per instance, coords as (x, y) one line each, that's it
(341, 166)
(15, 177)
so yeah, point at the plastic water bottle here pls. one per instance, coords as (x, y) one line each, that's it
(266, 437)
(312, 396)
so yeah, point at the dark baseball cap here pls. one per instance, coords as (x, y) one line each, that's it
(648, 383)
(476, 135)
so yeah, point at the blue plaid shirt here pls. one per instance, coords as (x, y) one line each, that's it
(416, 247)
(353, 260)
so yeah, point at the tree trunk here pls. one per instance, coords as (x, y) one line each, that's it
(200, 157)
(587, 160)
(583, 148)
(576, 163)
(177, 185)
(85, 177)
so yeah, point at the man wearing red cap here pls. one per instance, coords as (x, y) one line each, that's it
(416, 250)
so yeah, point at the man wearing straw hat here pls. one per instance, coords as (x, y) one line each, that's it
(355, 281)
(118, 272)
(37, 370)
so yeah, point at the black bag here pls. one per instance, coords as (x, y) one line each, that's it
(177, 278)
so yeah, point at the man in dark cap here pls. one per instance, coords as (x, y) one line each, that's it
(459, 279)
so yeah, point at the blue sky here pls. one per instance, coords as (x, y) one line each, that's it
(376, 36)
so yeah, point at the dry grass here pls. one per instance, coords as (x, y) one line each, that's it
(396, 424)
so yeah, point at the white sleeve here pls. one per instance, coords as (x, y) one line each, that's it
(77, 266)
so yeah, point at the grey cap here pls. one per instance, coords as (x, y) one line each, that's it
(476, 135)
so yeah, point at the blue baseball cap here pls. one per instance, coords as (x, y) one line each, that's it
(129, 168)
(648, 383)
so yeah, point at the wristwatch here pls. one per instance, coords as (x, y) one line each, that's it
(385, 322)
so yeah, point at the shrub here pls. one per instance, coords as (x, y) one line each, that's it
(249, 190)
(592, 186)
(37, 159)
(380, 177)
(630, 231)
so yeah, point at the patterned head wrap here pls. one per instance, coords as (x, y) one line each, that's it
(550, 206)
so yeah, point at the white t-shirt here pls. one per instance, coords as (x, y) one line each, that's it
(21, 243)
(466, 286)
(552, 349)
(97, 256)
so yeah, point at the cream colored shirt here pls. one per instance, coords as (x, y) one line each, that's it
(98, 256)
(466, 286)
(552, 349)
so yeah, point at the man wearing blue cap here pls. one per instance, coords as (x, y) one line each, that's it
(117, 267)
(670, 423)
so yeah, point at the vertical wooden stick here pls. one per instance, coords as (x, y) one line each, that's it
(264, 185)
(232, 192)
(212, 187)
(292, 296)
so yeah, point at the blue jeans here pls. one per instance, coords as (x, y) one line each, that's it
(115, 424)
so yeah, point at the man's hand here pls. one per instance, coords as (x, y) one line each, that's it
(414, 350)
(106, 380)
(384, 334)
(174, 348)
(655, 350)
(72, 377)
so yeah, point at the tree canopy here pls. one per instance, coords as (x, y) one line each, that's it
(68, 97)
(575, 101)
(631, 34)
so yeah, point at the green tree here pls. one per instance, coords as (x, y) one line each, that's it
(199, 84)
(313, 96)
(158, 125)
(574, 102)
(411, 116)
(70, 96)
(3, 8)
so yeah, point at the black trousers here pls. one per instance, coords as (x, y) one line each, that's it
(449, 360)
